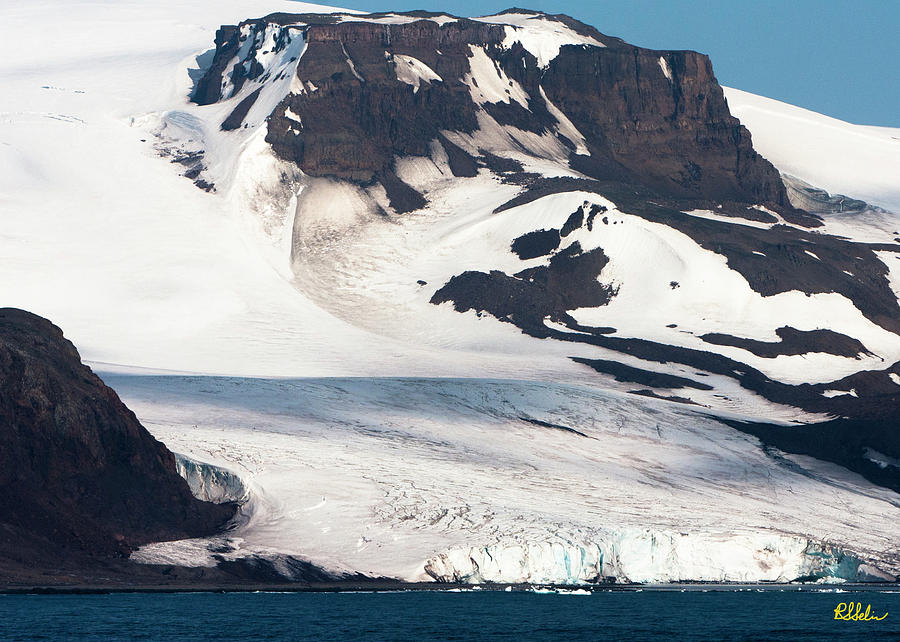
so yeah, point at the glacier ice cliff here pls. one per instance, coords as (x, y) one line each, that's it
(645, 556)
(211, 483)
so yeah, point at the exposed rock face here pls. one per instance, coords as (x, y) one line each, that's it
(528, 297)
(661, 116)
(368, 92)
(78, 472)
(355, 123)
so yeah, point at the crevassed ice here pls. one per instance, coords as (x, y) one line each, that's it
(211, 483)
(646, 556)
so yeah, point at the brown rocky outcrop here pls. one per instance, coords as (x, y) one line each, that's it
(655, 118)
(78, 472)
(673, 133)
(353, 128)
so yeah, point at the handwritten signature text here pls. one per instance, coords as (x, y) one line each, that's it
(851, 611)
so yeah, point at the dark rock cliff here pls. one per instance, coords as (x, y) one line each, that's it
(674, 134)
(353, 128)
(78, 472)
(655, 118)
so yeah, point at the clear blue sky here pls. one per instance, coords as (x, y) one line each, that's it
(837, 57)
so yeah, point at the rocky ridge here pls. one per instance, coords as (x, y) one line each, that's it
(79, 475)
(370, 90)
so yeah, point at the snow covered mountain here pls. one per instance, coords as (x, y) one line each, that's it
(531, 295)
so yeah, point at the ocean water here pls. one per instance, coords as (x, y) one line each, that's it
(672, 615)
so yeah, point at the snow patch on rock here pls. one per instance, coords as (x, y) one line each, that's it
(541, 36)
(839, 393)
(880, 459)
(566, 127)
(488, 83)
(413, 71)
(664, 66)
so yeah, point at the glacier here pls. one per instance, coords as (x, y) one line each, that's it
(509, 481)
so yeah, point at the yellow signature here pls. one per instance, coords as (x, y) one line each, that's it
(851, 611)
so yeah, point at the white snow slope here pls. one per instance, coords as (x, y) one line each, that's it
(400, 477)
(854, 160)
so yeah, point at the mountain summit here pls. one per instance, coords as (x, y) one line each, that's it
(367, 91)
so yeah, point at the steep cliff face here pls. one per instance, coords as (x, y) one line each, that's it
(78, 472)
(662, 116)
(368, 92)
(356, 120)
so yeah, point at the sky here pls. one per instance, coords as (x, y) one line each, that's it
(836, 57)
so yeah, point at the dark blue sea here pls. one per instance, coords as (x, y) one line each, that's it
(694, 614)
